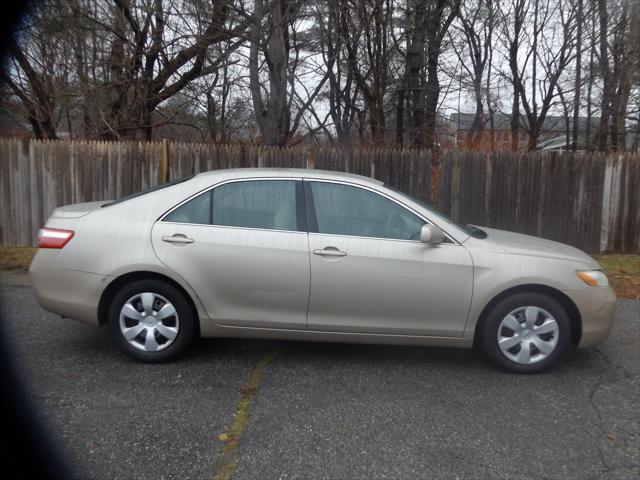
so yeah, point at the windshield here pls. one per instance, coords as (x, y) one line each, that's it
(469, 229)
(148, 190)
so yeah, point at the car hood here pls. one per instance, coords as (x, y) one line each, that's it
(519, 244)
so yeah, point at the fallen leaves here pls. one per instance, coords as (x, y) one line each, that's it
(623, 272)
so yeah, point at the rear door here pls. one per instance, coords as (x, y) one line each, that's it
(371, 274)
(242, 247)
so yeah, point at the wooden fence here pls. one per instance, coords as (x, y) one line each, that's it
(591, 201)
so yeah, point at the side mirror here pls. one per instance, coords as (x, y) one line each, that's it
(431, 234)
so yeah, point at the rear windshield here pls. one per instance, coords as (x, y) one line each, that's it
(148, 190)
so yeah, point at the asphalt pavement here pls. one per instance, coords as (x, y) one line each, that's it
(327, 410)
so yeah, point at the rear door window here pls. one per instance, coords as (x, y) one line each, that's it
(267, 204)
(197, 210)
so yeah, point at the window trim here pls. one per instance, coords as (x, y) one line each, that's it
(299, 213)
(311, 213)
(304, 210)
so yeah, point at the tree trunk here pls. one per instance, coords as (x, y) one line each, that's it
(534, 134)
(515, 121)
(588, 139)
(414, 71)
(605, 106)
(400, 118)
(515, 103)
(474, 137)
(273, 116)
(431, 97)
(578, 80)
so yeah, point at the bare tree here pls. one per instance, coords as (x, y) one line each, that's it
(578, 78)
(618, 52)
(549, 44)
(275, 48)
(151, 69)
(365, 29)
(343, 93)
(217, 105)
(285, 71)
(270, 35)
(427, 23)
(34, 75)
(625, 50)
(605, 109)
(477, 23)
(592, 73)
(513, 23)
(557, 53)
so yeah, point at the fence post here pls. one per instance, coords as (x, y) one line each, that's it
(311, 159)
(261, 154)
(164, 163)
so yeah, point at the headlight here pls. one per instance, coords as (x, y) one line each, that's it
(595, 278)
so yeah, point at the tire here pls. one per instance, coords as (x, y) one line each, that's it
(151, 312)
(535, 314)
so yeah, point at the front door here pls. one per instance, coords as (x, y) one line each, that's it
(242, 250)
(371, 274)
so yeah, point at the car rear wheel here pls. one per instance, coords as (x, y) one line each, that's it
(151, 321)
(526, 333)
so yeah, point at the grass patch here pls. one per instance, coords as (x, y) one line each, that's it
(623, 272)
(16, 259)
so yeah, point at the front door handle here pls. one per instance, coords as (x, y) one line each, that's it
(177, 238)
(330, 252)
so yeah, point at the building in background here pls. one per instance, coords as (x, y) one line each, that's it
(556, 131)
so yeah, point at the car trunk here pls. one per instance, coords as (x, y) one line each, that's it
(77, 209)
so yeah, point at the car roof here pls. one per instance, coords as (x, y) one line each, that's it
(154, 204)
(289, 172)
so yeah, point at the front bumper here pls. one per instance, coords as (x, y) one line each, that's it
(597, 306)
(69, 293)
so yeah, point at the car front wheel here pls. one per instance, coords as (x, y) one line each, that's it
(526, 333)
(152, 321)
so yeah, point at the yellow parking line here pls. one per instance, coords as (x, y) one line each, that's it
(230, 436)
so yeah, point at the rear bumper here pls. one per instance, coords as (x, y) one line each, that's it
(597, 307)
(69, 293)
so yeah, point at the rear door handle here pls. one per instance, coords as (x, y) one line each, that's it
(330, 252)
(177, 238)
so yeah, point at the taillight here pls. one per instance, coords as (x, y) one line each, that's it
(53, 237)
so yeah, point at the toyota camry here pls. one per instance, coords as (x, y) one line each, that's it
(312, 255)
